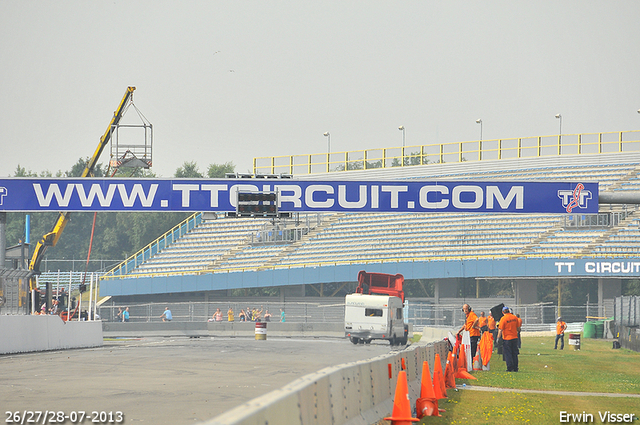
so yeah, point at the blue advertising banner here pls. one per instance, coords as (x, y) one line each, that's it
(38, 194)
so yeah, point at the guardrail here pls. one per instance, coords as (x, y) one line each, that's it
(154, 247)
(420, 314)
(450, 152)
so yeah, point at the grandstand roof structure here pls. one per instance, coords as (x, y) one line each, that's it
(210, 252)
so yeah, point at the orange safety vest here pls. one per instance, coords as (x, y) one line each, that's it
(471, 318)
(560, 328)
(509, 326)
(482, 321)
(492, 323)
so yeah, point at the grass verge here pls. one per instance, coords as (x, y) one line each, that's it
(596, 368)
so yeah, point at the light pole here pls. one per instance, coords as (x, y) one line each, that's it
(401, 128)
(328, 136)
(479, 121)
(559, 116)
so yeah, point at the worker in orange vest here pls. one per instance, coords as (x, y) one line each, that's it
(508, 330)
(471, 325)
(491, 323)
(561, 326)
(483, 323)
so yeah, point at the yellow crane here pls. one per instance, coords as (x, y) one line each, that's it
(51, 238)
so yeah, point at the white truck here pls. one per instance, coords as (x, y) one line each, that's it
(369, 317)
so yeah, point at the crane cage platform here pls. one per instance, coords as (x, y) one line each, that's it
(126, 149)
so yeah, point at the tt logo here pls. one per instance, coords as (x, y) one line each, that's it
(577, 197)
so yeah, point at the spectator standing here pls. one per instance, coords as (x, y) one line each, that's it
(230, 314)
(561, 326)
(508, 330)
(242, 316)
(125, 315)
(119, 315)
(267, 316)
(471, 325)
(282, 318)
(166, 316)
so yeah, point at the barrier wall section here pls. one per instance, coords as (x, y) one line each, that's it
(358, 393)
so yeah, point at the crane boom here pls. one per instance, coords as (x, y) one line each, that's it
(51, 238)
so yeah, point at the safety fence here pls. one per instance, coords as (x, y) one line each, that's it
(451, 152)
(627, 311)
(535, 317)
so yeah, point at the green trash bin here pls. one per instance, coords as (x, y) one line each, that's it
(599, 328)
(589, 330)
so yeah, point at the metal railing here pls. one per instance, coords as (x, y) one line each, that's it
(154, 247)
(295, 312)
(604, 219)
(627, 311)
(535, 317)
(451, 152)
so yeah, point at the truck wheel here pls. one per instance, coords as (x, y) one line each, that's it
(354, 340)
(367, 341)
(403, 341)
(392, 341)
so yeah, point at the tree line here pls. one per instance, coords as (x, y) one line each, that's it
(117, 235)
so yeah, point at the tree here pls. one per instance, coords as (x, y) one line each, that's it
(78, 168)
(22, 172)
(218, 171)
(189, 170)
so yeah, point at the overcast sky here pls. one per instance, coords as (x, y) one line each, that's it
(230, 80)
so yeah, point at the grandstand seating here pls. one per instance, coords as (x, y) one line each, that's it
(225, 244)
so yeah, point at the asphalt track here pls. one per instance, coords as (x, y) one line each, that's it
(166, 380)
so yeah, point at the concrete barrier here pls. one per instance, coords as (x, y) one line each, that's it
(23, 334)
(359, 393)
(198, 329)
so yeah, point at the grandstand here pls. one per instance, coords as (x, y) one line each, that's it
(216, 253)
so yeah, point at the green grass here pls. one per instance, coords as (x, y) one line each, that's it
(595, 368)
(478, 408)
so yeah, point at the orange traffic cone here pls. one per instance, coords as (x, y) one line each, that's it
(455, 358)
(449, 374)
(462, 358)
(438, 379)
(462, 366)
(427, 404)
(401, 414)
(477, 363)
